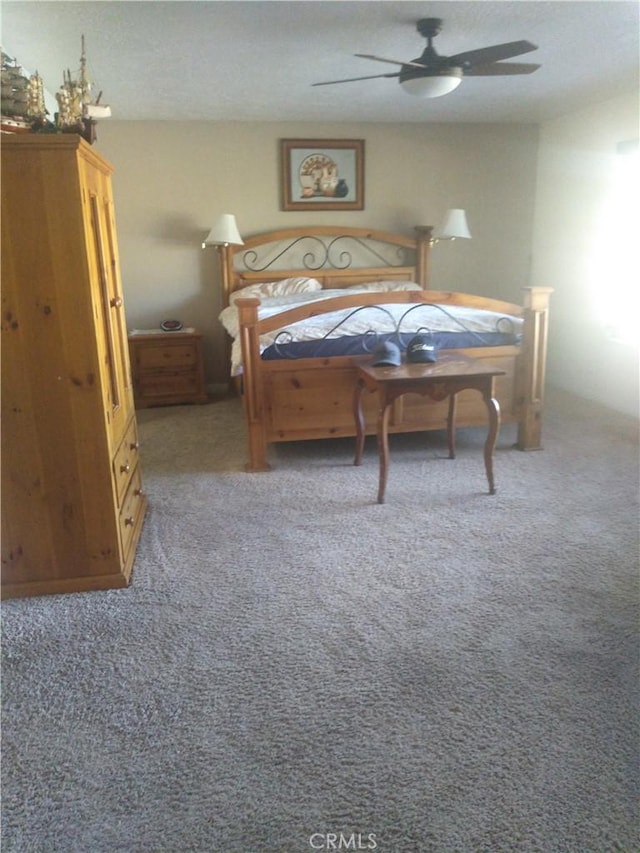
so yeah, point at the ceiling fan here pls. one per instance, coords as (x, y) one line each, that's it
(432, 75)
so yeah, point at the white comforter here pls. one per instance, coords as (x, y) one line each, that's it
(447, 319)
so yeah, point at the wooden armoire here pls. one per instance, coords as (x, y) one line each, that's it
(72, 498)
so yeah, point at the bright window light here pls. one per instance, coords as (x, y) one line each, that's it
(616, 280)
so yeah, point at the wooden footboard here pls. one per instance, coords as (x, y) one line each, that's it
(308, 398)
(292, 400)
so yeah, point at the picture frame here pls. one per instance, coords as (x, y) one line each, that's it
(322, 174)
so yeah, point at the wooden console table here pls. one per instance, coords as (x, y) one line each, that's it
(439, 380)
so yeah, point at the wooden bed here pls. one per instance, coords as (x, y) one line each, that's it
(312, 397)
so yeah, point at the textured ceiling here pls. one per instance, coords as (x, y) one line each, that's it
(256, 61)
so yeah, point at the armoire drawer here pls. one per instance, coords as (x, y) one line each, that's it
(125, 460)
(131, 512)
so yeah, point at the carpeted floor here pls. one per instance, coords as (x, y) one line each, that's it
(297, 668)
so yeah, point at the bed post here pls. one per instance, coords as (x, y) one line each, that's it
(532, 365)
(424, 242)
(252, 396)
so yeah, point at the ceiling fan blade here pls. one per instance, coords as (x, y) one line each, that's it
(353, 79)
(502, 68)
(392, 61)
(486, 55)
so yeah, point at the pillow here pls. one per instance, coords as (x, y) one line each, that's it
(277, 288)
(385, 286)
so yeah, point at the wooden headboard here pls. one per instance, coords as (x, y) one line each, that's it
(336, 256)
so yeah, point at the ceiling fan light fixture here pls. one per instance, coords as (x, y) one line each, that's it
(432, 85)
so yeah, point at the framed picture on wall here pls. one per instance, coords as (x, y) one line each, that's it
(322, 174)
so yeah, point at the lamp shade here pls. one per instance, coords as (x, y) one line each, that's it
(224, 232)
(454, 225)
(432, 85)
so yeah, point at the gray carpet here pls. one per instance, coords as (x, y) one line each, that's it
(295, 667)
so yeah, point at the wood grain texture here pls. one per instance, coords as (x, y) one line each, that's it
(66, 392)
(167, 368)
(310, 398)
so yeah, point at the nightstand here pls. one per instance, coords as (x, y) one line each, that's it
(167, 368)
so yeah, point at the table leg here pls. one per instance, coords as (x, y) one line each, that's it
(359, 419)
(383, 449)
(493, 408)
(451, 425)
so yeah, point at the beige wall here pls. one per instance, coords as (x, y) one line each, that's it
(575, 162)
(173, 179)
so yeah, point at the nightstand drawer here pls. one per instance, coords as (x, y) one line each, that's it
(167, 370)
(183, 383)
(169, 356)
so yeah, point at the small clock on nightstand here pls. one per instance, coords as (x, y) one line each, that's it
(167, 367)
